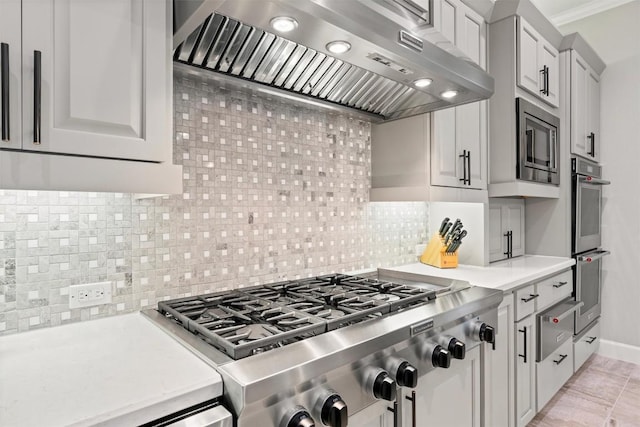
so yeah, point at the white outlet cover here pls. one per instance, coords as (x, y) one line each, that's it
(90, 294)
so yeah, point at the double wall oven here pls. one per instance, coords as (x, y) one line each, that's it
(586, 208)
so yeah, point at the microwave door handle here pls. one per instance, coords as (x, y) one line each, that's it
(594, 181)
(531, 136)
(590, 258)
(552, 155)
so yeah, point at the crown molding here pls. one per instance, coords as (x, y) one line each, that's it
(591, 8)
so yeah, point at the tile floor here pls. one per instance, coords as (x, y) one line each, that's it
(604, 392)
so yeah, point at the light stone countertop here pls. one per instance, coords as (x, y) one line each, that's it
(121, 370)
(506, 275)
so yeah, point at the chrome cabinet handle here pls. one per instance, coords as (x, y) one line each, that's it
(531, 298)
(469, 167)
(524, 331)
(412, 399)
(395, 413)
(560, 284)
(545, 80)
(507, 235)
(562, 357)
(4, 69)
(591, 340)
(37, 96)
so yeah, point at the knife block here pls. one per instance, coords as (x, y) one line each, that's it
(435, 254)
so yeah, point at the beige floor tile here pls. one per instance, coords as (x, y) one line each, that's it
(597, 385)
(572, 409)
(635, 373)
(627, 409)
(611, 366)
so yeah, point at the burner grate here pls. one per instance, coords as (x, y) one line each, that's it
(257, 319)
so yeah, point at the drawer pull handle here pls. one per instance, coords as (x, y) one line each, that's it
(560, 284)
(37, 97)
(591, 340)
(562, 357)
(531, 298)
(4, 69)
(524, 331)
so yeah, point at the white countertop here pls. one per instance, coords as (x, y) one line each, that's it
(505, 275)
(120, 370)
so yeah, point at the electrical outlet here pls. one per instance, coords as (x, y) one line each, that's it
(89, 294)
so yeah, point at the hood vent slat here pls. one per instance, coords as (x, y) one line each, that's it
(243, 49)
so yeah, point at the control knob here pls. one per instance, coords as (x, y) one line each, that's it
(440, 357)
(334, 412)
(457, 348)
(384, 387)
(298, 417)
(407, 375)
(484, 332)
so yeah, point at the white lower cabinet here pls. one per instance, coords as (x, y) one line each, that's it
(553, 372)
(376, 415)
(585, 345)
(498, 371)
(448, 397)
(525, 370)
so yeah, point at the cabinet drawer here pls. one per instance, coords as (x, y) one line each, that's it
(525, 301)
(553, 372)
(585, 345)
(554, 289)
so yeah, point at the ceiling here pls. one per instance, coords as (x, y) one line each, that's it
(561, 12)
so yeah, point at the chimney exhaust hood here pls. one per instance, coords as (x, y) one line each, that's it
(384, 69)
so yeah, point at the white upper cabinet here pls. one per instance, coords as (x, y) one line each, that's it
(104, 79)
(88, 85)
(10, 74)
(459, 135)
(538, 64)
(440, 156)
(585, 109)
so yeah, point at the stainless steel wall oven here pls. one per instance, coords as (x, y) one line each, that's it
(586, 209)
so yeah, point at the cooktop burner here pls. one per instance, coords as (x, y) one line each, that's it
(257, 319)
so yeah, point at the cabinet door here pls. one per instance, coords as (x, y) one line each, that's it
(10, 37)
(105, 77)
(497, 239)
(444, 20)
(446, 161)
(579, 109)
(549, 58)
(593, 116)
(471, 119)
(498, 371)
(528, 69)
(449, 397)
(515, 224)
(525, 372)
(376, 415)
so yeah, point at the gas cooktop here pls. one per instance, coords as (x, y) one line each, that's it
(257, 319)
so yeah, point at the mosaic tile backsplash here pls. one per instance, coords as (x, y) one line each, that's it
(272, 190)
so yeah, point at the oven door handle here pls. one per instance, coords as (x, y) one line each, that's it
(592, 180)
(592, 257)
(554, 319)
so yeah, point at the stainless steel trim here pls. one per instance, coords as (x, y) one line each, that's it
(592, 180)
(553, 317)
(217, 416)
(384, 54)
(592, 256)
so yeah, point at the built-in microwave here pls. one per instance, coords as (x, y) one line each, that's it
(538, 145)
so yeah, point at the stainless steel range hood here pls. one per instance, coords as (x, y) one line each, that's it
(234, 39)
